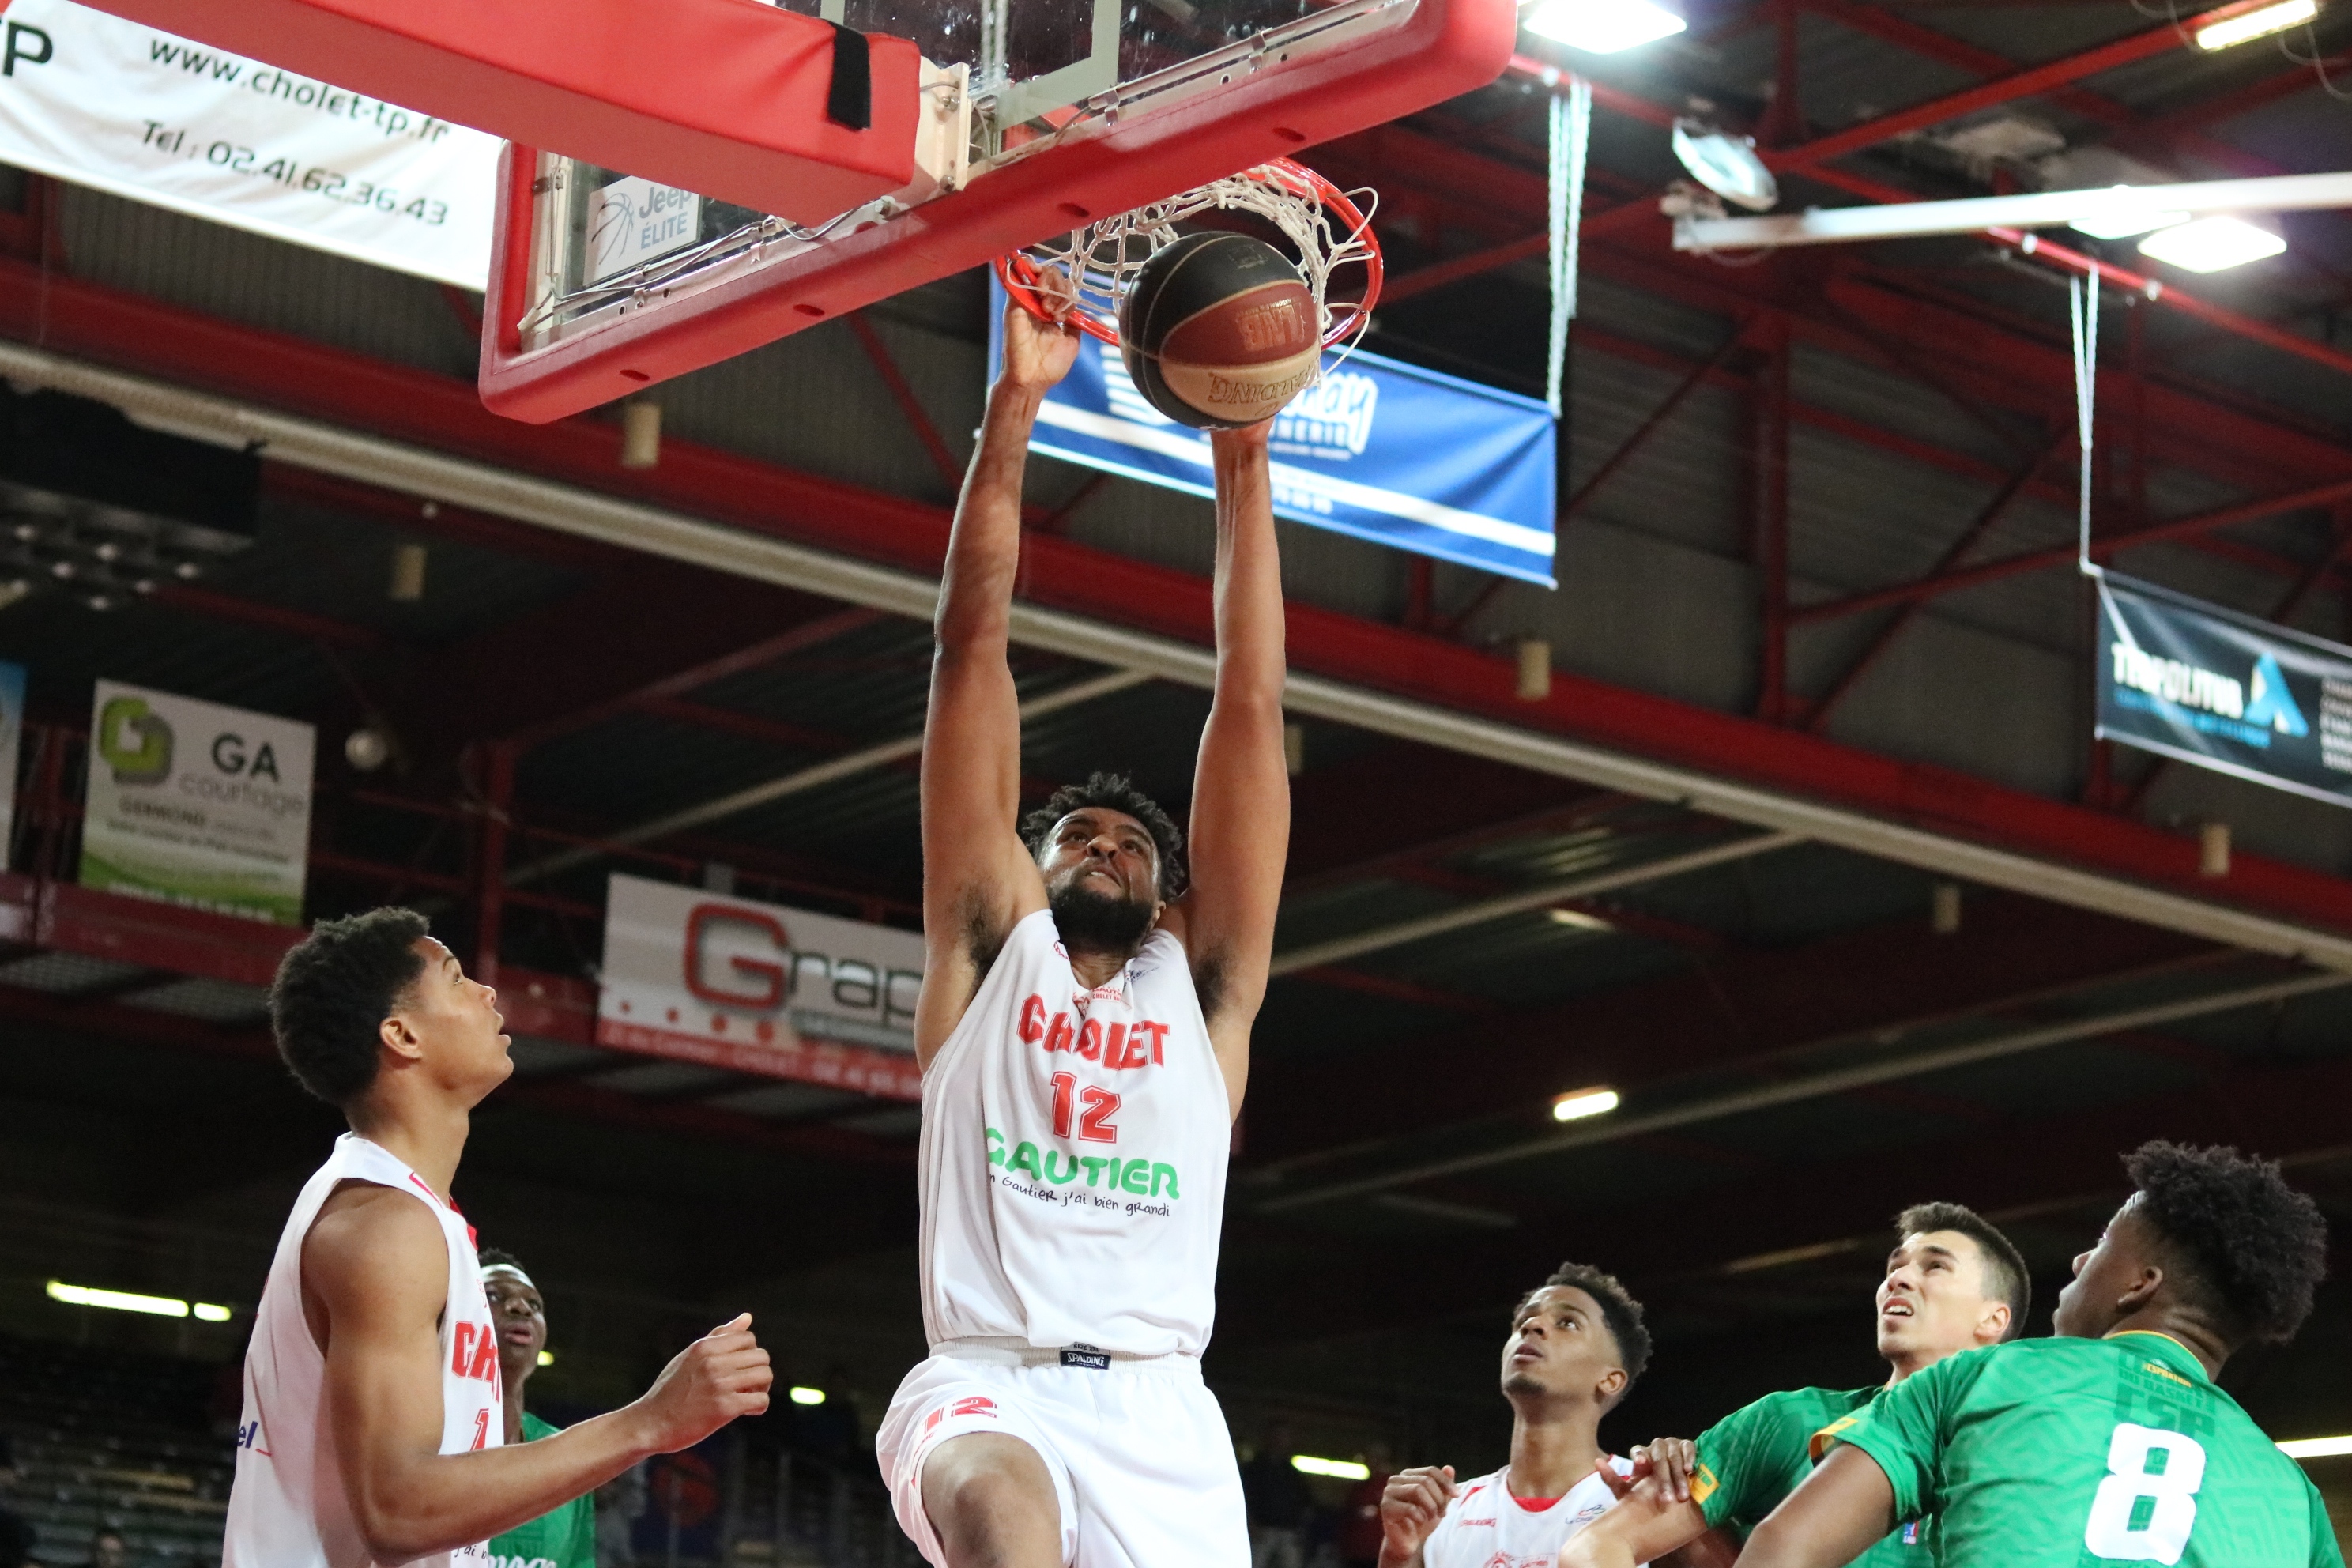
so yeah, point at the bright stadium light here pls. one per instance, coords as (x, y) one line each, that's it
(2119, 215)
(1338, 1470)
(2237, 24)
(117, 1300)
(1603, 26)
(2316, 1447)
(808, 1396)
(213, 1312)
(2211, 244)
(1584, 1102)
(547, 1358)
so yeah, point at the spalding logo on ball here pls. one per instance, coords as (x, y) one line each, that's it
(1219, 331)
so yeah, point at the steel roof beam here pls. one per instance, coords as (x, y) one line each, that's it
(1347, 670)
(2021, 1163)
(1816, 1086)
(1339, 950)
(833, 769)
(1885, 980)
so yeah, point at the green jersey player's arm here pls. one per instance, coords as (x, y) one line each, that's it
(1747, 1462)
(1842, 1510)
(2324, 1553)
(1882, 1471)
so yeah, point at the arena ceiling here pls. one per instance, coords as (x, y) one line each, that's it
(1819, 644)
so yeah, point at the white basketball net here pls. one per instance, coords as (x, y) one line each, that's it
(1088, 272)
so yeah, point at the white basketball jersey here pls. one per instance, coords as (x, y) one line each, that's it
(286, 1508)
(1485, 1527)
(1074, 1157)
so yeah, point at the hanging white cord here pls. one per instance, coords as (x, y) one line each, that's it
(2083, 315)
(1572, 135)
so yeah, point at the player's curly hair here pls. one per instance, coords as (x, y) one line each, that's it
(2255, 1248)
(2006, 1276)
(1618, 1309)
(335, 988)
(1117, 792)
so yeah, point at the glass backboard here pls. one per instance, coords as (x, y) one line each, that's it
(1035, 115)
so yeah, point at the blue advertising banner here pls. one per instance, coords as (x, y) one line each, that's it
(2225, 691)
(1384, 452)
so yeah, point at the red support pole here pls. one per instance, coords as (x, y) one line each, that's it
(1770, 452)
(491, 865)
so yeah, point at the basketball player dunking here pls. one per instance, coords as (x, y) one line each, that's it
(1084, 1031)
(374, 1422)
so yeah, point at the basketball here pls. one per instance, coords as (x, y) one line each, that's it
(1219, 331)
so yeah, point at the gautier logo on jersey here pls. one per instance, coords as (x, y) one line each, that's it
(1060, 1168)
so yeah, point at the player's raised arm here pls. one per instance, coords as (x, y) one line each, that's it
(375, 1271)
(1844, 1507)
(1241, 787)
(977, 878)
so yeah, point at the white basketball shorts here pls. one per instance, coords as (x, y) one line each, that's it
(1142, 1465)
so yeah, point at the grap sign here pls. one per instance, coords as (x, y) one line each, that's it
(760, 988)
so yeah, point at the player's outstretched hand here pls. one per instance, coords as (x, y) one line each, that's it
(1037, 353)
(1673, 1461)
(1410, 1506)
(720, 1376)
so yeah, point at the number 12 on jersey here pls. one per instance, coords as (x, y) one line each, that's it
(2146, 1505)
(1093, 1120)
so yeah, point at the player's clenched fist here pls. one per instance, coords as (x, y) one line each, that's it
(1411, 1507)
(720, 1376)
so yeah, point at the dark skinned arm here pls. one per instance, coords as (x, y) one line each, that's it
(1843, 1508)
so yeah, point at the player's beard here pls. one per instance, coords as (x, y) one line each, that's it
(1089, 921)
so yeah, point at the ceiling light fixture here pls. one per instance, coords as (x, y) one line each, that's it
(1603, 26)
(2316, 1447)
(1725, 164)
(2211, 244)
(132, 1301)
(2119, 213)
(808, 1396)
(2242, 24)
(1584, 1102)
(1338, 1470)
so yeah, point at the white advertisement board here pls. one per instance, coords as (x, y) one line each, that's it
(195, 804)
(760, 988)
(101, 101)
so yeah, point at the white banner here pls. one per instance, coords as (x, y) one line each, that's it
(101, 101)
(760, 988)
(195, 804)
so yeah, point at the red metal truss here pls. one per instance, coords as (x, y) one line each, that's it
(2031, 81)
(331, 383)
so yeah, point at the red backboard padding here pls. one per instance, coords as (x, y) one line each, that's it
(724, 97)
(1449, 46)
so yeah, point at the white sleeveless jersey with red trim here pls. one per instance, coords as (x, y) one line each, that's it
(1485, 1527)
(1074, 1152)
(286, 1508)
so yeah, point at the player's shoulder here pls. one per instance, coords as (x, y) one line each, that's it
(369, 1237)
(1806, 1406)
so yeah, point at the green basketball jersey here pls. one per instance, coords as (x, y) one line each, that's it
(1756, 1456)
(563, 1537)
(2068, 1453)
